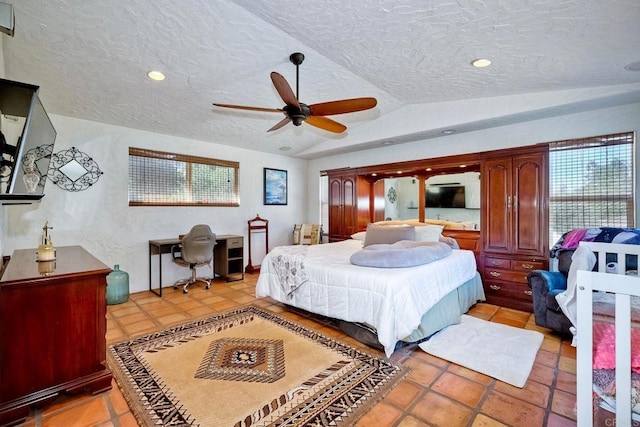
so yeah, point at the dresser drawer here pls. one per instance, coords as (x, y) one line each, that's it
(507, 275)
(508, 290)
(235, 242)
(502, 263)
(521, 265)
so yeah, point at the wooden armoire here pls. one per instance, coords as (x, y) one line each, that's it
(514, 224)
(349, 204)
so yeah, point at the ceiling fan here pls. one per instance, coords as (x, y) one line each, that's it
(298, 112)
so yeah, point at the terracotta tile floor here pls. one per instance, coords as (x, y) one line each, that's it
(435, 393)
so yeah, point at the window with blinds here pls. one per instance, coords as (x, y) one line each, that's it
(591, 183)
(158, 178)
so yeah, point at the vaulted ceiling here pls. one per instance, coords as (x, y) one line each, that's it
(550, 57)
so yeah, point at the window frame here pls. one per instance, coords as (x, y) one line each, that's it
(234, 197)
(604, 141)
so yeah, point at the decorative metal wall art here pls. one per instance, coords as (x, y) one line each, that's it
(73, 170)
(392, 195)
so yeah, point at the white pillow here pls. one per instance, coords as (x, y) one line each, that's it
(429, 233)
(359, 235)
(388, 234)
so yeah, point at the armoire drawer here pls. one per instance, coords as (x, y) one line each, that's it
(502, 263)
(527, 266)
(508, 290)
(506, 275)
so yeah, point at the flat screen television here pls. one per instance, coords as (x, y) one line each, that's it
(441, 196)
(26, 143)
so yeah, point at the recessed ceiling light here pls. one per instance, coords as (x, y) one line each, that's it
(448, 131)
(284, 148)
(481, 62)
(387, 142)
(156, 75)
(428, 169)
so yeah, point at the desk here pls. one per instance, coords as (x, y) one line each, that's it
(227, 258)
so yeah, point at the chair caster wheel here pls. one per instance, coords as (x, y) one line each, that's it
(184, 291)
(207, 287)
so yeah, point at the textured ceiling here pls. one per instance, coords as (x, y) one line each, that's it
(550, 57)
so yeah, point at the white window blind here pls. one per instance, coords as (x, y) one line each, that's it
(591, 183)
(159, 178)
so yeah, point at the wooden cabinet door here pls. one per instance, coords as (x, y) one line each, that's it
(496, 181)
(343, 206)
(529, 188)
(349, 206)
(335, 208)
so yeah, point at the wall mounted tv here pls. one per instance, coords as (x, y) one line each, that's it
(445, 196)
(26, 143)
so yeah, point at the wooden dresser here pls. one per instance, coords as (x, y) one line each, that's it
(52, 329)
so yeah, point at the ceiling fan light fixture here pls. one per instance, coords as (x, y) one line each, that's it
(156, 75)
(297, 112)
(481, 62)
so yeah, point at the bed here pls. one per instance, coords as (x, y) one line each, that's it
(399, 304)
(608, 338)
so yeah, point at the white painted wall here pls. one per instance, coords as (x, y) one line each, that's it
(100, 219)
(598, 122)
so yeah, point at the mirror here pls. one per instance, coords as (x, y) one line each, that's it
(73, 170)
(402, 198)
(449, 197)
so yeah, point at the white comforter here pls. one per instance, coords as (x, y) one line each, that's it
(393, 300)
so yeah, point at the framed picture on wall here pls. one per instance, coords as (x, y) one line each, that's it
(275, 186)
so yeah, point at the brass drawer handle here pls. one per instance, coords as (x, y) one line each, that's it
(494, 274)
(527, 266)
(528, 292)
(495, 287)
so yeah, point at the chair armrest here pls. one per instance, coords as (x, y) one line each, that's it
(543, 282)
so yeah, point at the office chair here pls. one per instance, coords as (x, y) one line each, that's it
(195, 250)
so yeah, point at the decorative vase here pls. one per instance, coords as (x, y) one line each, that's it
(30, 178)
(117, 286)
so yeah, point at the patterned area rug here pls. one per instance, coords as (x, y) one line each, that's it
(248, 367)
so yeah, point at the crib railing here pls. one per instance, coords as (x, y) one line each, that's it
(623, 286)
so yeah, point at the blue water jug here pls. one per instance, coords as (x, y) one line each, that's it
(117, 286)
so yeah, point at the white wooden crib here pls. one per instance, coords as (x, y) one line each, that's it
(623, 286)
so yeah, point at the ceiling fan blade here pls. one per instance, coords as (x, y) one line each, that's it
(342, 106)
(280, 124)
(284, 90)
(242, 107)
(326, 124)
